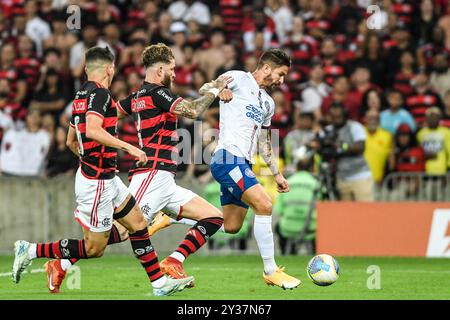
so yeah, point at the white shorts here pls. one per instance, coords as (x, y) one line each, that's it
(97, 200)
(156, 191)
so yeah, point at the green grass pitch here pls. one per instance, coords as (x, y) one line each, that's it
(239, 277)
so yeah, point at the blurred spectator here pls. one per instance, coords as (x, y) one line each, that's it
(195, 36)
(257, 23)
(378, 146)
(402, 79)
(190, 10)
(231, 11)
(211, 59)
(60, 38)
(331, 66)
(440, 77)
(7, 105)
(297, 210)
(6, 121)
(423, 98)
(60, 159)
(23, 152)
(36, 28)
(435, 141)
(281, 120)
(162, 32)
(18, 86)
(373, 58)
(317, 20)
(303, 48)
(354, 179)
(424, 22)
(445, 121)
(371, 100)
(179, 36)
(407, 155)
(90, 38)
(50, 96)
(360, 79)
(314, 91)
(27, 63)
(339, 95)
(282, 16)
(231, 62)
(429, 50)
(301, 135)
(391, 118)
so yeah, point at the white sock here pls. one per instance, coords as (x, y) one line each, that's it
(190, 222)
(160, 282)
(178, 256)
(264, 238)
(65, 264)
(32, 251)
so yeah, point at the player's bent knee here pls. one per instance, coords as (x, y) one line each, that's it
(263, 207)
(94, 251)
(232, 229)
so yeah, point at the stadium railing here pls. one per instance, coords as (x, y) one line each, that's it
(415, 186)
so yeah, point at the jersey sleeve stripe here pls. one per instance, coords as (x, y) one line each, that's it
(95, 113)
(175, 103)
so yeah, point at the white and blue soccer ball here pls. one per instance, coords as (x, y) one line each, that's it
(323, 270)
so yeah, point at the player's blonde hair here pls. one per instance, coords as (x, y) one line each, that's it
(156, 53)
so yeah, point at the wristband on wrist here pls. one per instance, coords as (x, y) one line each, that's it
(214, 91)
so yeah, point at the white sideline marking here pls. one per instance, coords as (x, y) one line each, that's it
(8, 274)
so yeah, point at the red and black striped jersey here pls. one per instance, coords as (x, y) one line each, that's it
(151, 107)
(97, 161)
(418, 103)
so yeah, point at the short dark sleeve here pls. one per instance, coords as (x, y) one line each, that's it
(164, 99)
(124, 105)
(99, 100)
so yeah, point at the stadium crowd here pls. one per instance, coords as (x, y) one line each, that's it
(391, 84)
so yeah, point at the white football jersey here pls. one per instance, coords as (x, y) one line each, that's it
(241, 119)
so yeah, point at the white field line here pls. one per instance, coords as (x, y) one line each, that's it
(8, 274)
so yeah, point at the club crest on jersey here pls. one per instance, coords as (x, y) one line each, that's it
(249, 173)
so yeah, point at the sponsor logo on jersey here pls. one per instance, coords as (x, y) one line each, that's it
(64, 243)
(164, 95)
(254, 113)
(249, 173)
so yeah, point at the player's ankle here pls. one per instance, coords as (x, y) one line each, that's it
(32, 251)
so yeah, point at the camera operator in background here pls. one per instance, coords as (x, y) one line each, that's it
(341, 144)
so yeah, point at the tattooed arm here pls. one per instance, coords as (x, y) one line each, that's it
(266, 151)
(192, 109)
(209, 91)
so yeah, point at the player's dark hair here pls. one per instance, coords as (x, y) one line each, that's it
(275, 57)
(99, 54)
(156, 53)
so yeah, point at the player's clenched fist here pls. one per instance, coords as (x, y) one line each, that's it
(139, 155)
(226, 95)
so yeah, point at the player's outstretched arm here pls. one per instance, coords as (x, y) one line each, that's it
(95, 131)
(266, 151)
(192, 109)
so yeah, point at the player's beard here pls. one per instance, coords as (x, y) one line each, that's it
(167, 81)
(270, 84)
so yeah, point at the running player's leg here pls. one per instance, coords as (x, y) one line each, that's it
(259, 200)
(94, 212)
(130, 216)
(185, 203)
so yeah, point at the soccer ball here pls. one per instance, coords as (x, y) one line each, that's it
(323, 270)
